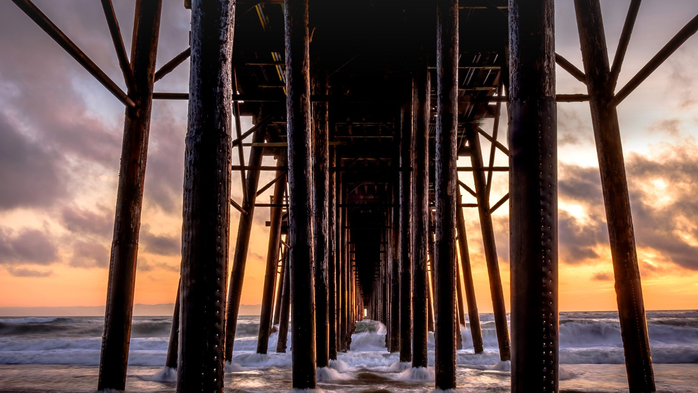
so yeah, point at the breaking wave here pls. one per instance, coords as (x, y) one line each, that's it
(585, 338)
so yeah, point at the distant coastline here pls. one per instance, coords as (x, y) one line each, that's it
(142, 310)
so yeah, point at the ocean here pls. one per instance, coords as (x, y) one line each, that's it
(61, 354)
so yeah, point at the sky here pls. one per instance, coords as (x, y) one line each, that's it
(60, 143)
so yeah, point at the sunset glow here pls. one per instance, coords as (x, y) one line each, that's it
(60, 138)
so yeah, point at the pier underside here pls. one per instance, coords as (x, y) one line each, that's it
(382, 119)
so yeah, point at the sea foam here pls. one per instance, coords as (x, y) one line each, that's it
(416, 374)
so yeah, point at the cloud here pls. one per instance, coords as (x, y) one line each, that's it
(572, 129)
(681, 79)
(165, 167)
(28, 171)
(580, 184)
(670, 127)
(82, 221)
(89, 254)
(29, 246)
(159, 244)
(145, 265)
(662, 197)
(57, 102)
(664, 205)
(602, 276)
(576, 239)
(579, 236)
(24, 272)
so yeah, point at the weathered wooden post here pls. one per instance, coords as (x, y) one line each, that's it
(300, 169)
(127, 222)
(350, 285)
(352, 298)
(488, 243)
(473, 315)
(405, 233)
(265, 317)
(631, 308)
(459, 292)
(206, 213)
(279, 289)
(394, 222)
(430, 277)
(173, 344)
(332, 261)
(285, 307)
(346, 261)
(420, 213)
(341, 254)
(237, 274)
(533, 190)
(446, 192)
(459, 338)
(321, 181)
(380, 286)
(343, 273)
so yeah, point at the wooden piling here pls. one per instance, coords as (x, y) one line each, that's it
(420, 213)
(321, 181)
(341, 256)
(533, 190)
(394, 343)
(631, 308)
(352, 299)
(300, 181)
(405, 233)
(459, 338)
(343, 280)
(430, 276)
(127, 222)
(237, 274)
(265, 317)
(285, 307)
(173, 344)
(446, 192)
(344, 277)
(459, 290)
(473, 315)
(489, 244)
(347, 284)
(206, 216)
(430, 303)
(332, 261)
(279, 289)
(380, 286)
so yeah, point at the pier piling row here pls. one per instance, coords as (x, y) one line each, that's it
(367, 108)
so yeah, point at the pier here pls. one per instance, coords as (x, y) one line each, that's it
(367, 108)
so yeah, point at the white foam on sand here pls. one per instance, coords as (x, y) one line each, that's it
(416, 374)
(339, 365)
(502, 366)
(564, 374)
(399, 366)
(306, 391)
(252, 359)
(358, 360)
(167, 374)
(326, 374)
(231, 367)
(261, 361)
